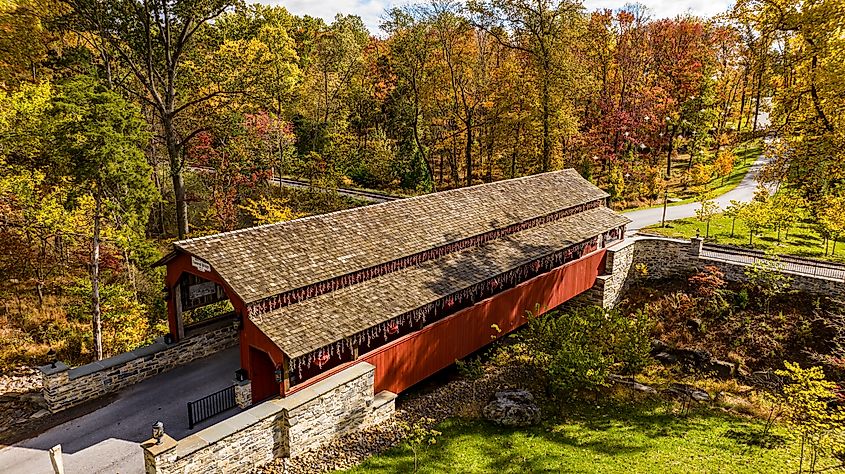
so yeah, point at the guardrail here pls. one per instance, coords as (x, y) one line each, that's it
(210, 405)
(804, 266)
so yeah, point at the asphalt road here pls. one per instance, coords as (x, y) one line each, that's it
(744, 192)
(107, 440)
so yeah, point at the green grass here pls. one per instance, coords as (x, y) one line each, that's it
(802, 240)
(746, 154)
(610, 440)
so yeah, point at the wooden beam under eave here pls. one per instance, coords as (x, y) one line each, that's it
(285, 386)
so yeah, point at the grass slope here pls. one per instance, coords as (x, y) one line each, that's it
(746, 154)
(610, 440)
(802, 240)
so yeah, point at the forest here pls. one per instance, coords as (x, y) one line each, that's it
(127, 124)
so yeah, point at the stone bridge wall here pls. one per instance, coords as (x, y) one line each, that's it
(278, 428)
(64, 387)
(642, 258)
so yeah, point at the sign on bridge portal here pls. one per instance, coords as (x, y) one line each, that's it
(196, 292)
(200, 264)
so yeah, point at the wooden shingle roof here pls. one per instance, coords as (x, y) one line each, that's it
(316, 322)
(264, 261)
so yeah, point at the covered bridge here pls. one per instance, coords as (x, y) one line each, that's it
(409, 286)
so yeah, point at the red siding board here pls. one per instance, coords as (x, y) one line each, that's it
(417, 356)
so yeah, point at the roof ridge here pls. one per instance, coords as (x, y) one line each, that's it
(352, 209)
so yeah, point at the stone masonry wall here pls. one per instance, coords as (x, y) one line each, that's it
(64, 387)
(284, 427)
(325, 417)
(818, 285)
(673, 258)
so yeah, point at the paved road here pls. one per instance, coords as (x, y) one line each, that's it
(370, 196)
(744, 192)
(106, 441)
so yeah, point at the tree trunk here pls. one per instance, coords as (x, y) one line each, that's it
(174, 154)
(801, 461)
(468, 150)
(490, 155)
(669, 153)
(757, 100)
(416, 126)
(742, 100)
(160, 207)
(547, 145)
(95, 278)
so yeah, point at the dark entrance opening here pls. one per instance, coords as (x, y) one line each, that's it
(262, 372)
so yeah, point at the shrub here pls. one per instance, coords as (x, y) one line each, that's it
(709, 286)
(767, 281)
(578, 350)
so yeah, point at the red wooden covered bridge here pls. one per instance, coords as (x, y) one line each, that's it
(409, 286)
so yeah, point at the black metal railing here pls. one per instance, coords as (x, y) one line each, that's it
(804, 266)
(210, 405)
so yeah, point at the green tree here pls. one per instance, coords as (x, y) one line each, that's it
(767, 280)
(734, 211)
(805, 398)
(830, 214)
(98, 138)
(756, 216)
(579, 349)
(706, 211)
(156, 44)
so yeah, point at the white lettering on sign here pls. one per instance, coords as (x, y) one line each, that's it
(196, 292)
(200, 264)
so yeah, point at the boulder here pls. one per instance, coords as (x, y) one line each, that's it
(666, 358)
(688, 391)
(633, 385)
(694, 325)
(513, 408)
(723, 370)
(658, 346)
(693, 358)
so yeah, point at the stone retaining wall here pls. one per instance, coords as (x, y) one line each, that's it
(641, 258)
(818, 285)
(64, 387)
(279, 428)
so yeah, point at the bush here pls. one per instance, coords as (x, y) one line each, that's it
(578, 350)
(124, 318)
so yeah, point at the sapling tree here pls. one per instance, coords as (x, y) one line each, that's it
(733, 211)
(783, 212)
(767, 280)
(419, 436)
(805, 398)
(706, 212)
(756, 217)
(831, 218)
(634, 344)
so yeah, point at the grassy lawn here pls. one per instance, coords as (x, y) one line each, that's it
(613, 440)
(746, 154)
(802, 240)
